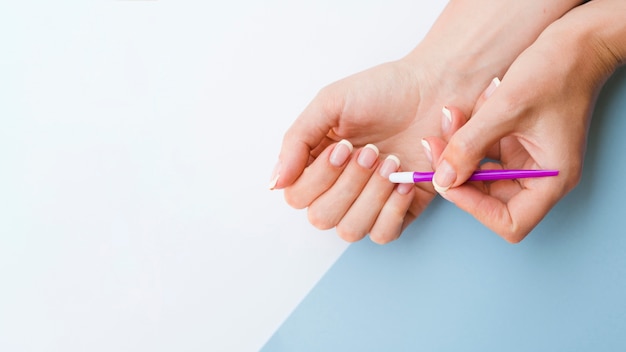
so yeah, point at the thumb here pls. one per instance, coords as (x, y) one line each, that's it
(469, 145)
(303, 137)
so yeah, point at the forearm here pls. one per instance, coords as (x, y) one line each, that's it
(603, 23)
(490, 32)
(475, 41)
(589, 40)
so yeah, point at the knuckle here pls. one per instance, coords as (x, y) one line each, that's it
(324, 93)
(293, 199)
(319, 220)
(327, 98)
(390, 233)
(512, 238)
(514, 103)
(462, 146)
(513, 234)
(350, 234)
(382, 238)
(510, 105)
(463, 151)
(575, 174)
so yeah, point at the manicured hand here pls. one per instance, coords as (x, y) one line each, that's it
(393, 106)
(379, 111)
(536, 119)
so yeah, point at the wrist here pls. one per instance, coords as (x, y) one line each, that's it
(458, 84)
(590, 40)
(473, 41)
(605, 25)
(489, 33)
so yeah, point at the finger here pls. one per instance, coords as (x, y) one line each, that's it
(510, 217)
(433, 147)
(503, 190)
(421, 199)
(324, 143)
(438, 144)
(319, 176)
(303, 137)
(392, 219)
(361, 216)
(494, 152)
(471, 143)
(491, 88)
(452, 119)
(328, 209)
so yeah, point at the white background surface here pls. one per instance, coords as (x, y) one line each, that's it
(136, 144)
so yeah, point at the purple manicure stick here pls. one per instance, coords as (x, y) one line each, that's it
(480, 175)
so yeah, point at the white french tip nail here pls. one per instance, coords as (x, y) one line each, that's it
(446, 112)
(273, 182)
(426, 145)
(428, 151)
(373, 147)
(275, 176)
(495, 82)
(394, 158)
(347, 144)
(438, 188)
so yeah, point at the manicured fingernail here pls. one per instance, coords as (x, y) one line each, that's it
(495, 82)
(427, 150)
(391, 164)
(444, 177)
(446, 120)
(340, 154)
(275, 176)
(404, 188)
(368, 156)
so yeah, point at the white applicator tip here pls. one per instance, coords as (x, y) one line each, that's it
(401, 177)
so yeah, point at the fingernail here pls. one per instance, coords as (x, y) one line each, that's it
(427, 151)
(275, 176)
(391, 164)
(446, 120)
(444, 177)
(495, 82)
(368, 156)
(404, 188)
(340, 154)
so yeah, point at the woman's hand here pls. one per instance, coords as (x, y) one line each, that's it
(536, 119)
(393, 106)
(384, 108)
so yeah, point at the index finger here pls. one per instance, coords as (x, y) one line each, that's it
(304, 136)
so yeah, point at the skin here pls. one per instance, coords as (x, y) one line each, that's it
(540, 128)
(394, 106)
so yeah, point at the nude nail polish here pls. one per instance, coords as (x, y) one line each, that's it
(368, 156)
(444, 177)
(495, 82)
(340, 154)
(275, 176)
(446, 120)
(404, 188)
(427, 151)
(391, 164)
